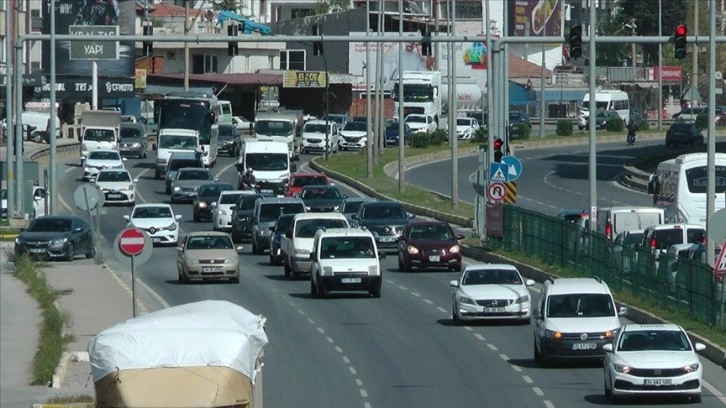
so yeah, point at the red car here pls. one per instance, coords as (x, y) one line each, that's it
(300, 180)
(429, 244)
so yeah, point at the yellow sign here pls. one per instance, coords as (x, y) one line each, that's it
(303, 79)
(140, 82)
(511, 196)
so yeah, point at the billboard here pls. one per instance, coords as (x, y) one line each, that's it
(69, 13)
(535, 18)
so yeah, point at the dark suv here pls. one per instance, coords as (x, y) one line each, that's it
(385, 219)
(684, 133)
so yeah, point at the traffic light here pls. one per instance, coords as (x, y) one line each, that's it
(148, 45)
(498, 145)
(426, 41)
(317, 45)
(576, 41)
(680, 40)
(232, 46)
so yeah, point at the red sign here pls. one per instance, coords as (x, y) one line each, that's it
(132, 241)
(669, 73)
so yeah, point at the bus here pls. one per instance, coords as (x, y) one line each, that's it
(679, 187)
(608, 99)
(193, 111)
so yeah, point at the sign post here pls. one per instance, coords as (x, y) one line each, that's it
(93, 50)
(134, 245)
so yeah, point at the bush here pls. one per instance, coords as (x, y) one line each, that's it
(564, 127)
(615, 125)
(420, 139)
(438, 137)
(644, 125)
(480, 136)
(702, 121)
(520, 131)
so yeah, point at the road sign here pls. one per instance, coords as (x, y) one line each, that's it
(511, 196)
(717, 229)
(140, 259)
(498, 172)
(496, 191)
(87, 197)
(720, 267)
(92, 49)
(514, 167)
(132, 241)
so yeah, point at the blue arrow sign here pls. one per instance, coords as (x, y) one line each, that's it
(514, 167)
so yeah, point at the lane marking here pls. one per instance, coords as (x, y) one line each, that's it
(528, 379)
(538, 391)
(493, 347)
(479, 337)
(549, 404)
(713, 390)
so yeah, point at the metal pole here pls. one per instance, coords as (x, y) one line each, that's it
(94, 85)
(327, 101)
(52, 179)
(632, 49)
(401, 181)
(592, 173)
(369, 122)
(186, 46)
(379, 86)
(660, 66)
(435, 9)
(694, 52)
(505, 79)
(9, 130)
(453, 105)
(541, 90)
(19, 134)
(133, 286)
(711, 161)
(490, 85)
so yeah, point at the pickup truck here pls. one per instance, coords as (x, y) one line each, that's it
(297, 243)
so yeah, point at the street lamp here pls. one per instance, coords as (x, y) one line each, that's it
(630, 25)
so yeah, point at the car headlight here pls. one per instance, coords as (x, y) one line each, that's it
(172, 227)
(454, 249)
(691, 368)
(103, 189)
(303, 252)
(621, 368)
(177, 188)
(196, 189)
(336, 208)
(550, 334)
(192, 261)
(328, 270)
(265, 232)
(129, 187)
(412, 250)
(284, 176)
(373, 270)
(465, 299)
(201, 204)
(522, 299)
(161, 161)
(230, 260)
(611, 333)
(19, 241)
(307, 208)
(59, 241)
(136, 145)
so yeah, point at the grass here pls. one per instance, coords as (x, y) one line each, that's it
(79, 401)
(52, 340)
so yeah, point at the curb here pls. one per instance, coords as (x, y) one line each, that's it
(62, 368)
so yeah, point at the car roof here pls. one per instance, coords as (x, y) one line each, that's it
(490, 266)
(320, 187)
(577, 285)
(208, 233)
(104, 151)
(345, 232)
(381, 202)
(152, 205)
(57, 217)
(279, 200)
(659, 227)
(135, 125)
(640, 327)
(362, 199)
(320, 122)
(320, 215)
(299, 175)
(193, 168)
(430, 222)
(225, 192)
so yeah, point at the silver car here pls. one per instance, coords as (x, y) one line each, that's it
(185, 185)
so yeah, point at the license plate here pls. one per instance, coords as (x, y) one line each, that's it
(350, 280)
(266, 190)
(657, 381)
(36, 250)
(493, 310)
(388, 239)
(211, 269)
(434, 258)
(114, 196)
(155, 239)
(584, 346)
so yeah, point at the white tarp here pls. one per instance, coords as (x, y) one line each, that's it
(206, 333)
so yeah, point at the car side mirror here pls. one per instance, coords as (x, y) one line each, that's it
(77, 229)
(454, 283)
(459, 237)
(180, 248)
(288, 234)
(135, 180)
(381, 254)
(178, 217)
(123, 159)
(699, 346)
(624, 311)
(608, 347)
(216, 180)
(214, 204)
(239, 248)
(127, 217)
(529, 282)
(411, 215)
(537, 313)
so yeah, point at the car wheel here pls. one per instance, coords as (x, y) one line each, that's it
(167, 190)
(157, 174)
(454, 316)
(182, 279)
(255, 248)
(606, 391)
(400, 264)
(70, 252)
(91, 252)
(286, 268)
(407, 266)
(319, 289)
(456, 268)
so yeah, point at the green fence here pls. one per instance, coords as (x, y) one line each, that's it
(675, 284)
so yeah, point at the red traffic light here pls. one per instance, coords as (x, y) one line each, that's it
(498, 143)
(681, 30)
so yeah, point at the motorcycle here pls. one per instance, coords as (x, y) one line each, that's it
(631, 138)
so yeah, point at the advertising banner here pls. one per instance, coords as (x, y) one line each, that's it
(544, 18)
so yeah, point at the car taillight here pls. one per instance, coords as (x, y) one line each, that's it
(609, 231)
(653, 243)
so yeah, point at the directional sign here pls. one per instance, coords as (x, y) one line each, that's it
(496, 191)
(498, 172)
(132, 241)
(514, 167)
(92, 49)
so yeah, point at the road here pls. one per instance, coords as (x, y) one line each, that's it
(349, 350)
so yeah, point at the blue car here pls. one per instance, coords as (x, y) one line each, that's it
(392, 133)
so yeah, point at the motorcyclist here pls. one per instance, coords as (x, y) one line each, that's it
(248, 179)
(632, 129)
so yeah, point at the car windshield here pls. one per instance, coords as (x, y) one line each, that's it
(131, 133)
(113, 176)
(308, 228)
(431, 232)
(273, 127)
(350, 207)
(580, 305)
(267, 161)
(416, 119)
(346, 248)
(247, 201)
(653, 340)
(209, 242)
(463, 122)
(356, 126)
(178, 142)
(194, 175)
(229, 198)
(284, 222)
(4, 194)
(314, 128)
(99, 135)
(104, 156)
(309, 181)
(491, 277)
(383, 211)
(320, 194)
(633, 238)
(213, 191)
(50, 225)
(227, 132)
(270, 212)
(152, 212)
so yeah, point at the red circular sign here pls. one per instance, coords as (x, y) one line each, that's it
(132, 241)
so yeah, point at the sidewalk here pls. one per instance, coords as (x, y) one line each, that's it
(93, 297)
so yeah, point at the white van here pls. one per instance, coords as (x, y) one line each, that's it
(608, 99)
(41, 123)
(612, 221)
(270, 162)
(173, 141)
(225, 113)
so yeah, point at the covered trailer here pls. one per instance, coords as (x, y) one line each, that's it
(201, 354)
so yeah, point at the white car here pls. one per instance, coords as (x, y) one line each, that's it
(652, 359)
(466, 128)
(314, 137)
(117, 186)
(241, 123)
(491, 291)
(223, 207)
(354, 136)
(101, 159)
(421, 123)
(40, 202)
(158, 220)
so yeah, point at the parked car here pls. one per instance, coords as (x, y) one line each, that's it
(720, 115)
(573, 216)
(229, 141)
(54, 237)
(684, 133)
(517, 116)
(133, 140)
(466, 128)
(392, 133)
(208, 255)
(158, 220)
(429, 244)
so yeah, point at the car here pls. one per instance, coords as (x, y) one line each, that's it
(133, 140)
(650, 360)
(573, 216)
(56, 237)
(40, 202)
(267, 211)
(659, 238)
(315, 139)
(229, 141)
(354, 136)
(483, 118)
(491, 292)
(341, 119)
(624, 249)
(206, 199)
(419, 122)
(602, 118)
(101, 159)
(689, 114)
(242, 215)
(516, 117)
(321, 198)
(117, 186)
(299, 180)
(179, 160)
(385, 219)
(222, 213)
(720, 115)
(4, 203)
(186, 183)
(392, 133)
(207, 255)
(429, 244)
(283, 224)
(466, 128)
(350, 206)
(158, 220)
(242, 123)
(684, 133)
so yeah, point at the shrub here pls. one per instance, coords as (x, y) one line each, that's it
(615, 125)
(420, 139)
(644, 125)
(480, 136)
(519, 131)
(564, 127)
(438, 137)
(702, 121)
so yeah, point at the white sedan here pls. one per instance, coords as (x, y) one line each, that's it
(117, 186)
(652, 359)
(158, 220)
(101, 159)
(241, 123)
(223, 207)
(491, 291)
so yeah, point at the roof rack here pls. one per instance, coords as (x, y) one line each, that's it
(551, 280)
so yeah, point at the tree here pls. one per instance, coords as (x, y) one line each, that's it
(331, 6)
(221, 5)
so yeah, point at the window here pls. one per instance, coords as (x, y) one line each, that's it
(292, 60)
(204, 64)
(300, 13)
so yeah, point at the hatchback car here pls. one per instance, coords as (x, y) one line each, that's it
(229, 140)
(101, 159)
(429, 244)
(515, 118)
(186, 183)
(206, 199)
(222, 213)
(300, 180)
(684, 133)
(491, 291)
(652, 359)
(133, 140)
(207, 255)
(242, 216)
(419, 122)
(117, 186)
(56, 237)
(158, 220)
(321, 198)
(392, 133)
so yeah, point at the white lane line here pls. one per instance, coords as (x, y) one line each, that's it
(320, 330)
(416, 294)
(467, 328)
(338, 349)
(538, 391)
(428, 301)
(493, 347)
(713, 390)
(527, 379)
(402, 287)
(352, 370)
(504, 357)
(367, 405)
(516, 368)
(441, 309)
(358, 382)
(153, 293)
(479, 337)
(330, 339)
(363, 393)
(346, 360)
(311, 321)
(549, 404)
(225, 168)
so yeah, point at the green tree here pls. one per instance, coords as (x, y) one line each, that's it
(331, 6)
(221, 5)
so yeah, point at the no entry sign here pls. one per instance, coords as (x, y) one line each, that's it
(132, 241)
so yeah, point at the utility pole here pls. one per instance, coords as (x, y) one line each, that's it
(401, 99)
(52, 192)
(694, 67)
(453, 105)
(369, 122)
(186, 46)
(660, 66)
(9, 129)
(711, 148)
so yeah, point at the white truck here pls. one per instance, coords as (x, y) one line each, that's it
(421, 93)
(100, 129)
(297, 243)
(281, 126)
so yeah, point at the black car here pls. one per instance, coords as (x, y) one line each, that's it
(207, 198)
(385, 219)
(321, 198)
(56, 237)
(229, 141)
(351, 205)
(515, 118)
(242, 216)
(684, 133)
(284, 223)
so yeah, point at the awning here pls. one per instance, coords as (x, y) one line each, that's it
(165, 89)
(566, 95)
